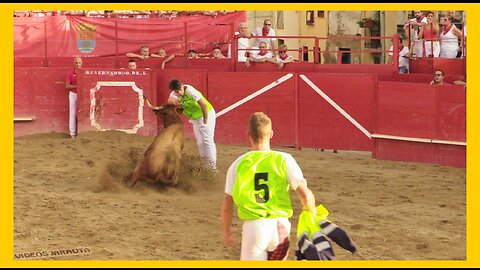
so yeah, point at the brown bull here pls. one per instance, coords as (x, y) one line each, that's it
(161, 161)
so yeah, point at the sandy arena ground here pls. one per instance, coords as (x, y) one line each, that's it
(70, 203)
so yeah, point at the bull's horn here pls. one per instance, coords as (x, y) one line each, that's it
(150, 105)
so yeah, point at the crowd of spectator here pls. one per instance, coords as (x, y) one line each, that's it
(262, 49)
(120, 13)
(436, 36)
(430, 36)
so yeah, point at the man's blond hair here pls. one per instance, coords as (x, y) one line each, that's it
(259, 127)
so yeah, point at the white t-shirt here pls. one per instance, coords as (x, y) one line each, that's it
(402, 61)
(258, 33)
(416, 31)
(256, 55)
(190, 91)
(288, 59)
(243, 43)
(294, 173)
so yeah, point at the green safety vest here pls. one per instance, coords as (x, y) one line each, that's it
(309, 223)
(261, 187)
(191, 108)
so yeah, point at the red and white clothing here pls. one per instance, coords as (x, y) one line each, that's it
(414, 36)
(259, 32)
(204, 133)
(449, 42)
(284, 58)
(242, 45)
(264, 235)
(402, 61)
(72, 79)
(430, 36)
(72, 100)
(261, 55)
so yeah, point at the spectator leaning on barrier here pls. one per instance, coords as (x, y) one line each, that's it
(439, 79)
(71, 86)
(217, 53)
(162, 53)
(263, 55)
(282, 57)
(192, 54)
(144, 53)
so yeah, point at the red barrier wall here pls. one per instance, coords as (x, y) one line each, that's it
(104, 101)
(451, 113)
(420, 78)
(455, 66)
(210, 64)
(40, 93)
(420, 112)
(302, 117)
(147, 63)
(449, 155)
(321, 125)
(406, 109)
(228, 88)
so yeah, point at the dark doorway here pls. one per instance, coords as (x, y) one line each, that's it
(346, 57)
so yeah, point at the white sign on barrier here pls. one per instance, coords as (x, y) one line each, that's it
(95, 89)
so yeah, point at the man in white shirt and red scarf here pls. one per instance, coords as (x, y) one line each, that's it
(418, 21)
(263, 55)
(404, 56)
(282, 57)
(265, 34)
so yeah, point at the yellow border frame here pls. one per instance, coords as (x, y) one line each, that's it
(6, 111)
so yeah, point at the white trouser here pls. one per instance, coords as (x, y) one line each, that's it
(448, 52)
(72, 124)
(204, 134)
(428, 48)
(260, 236)
(419, 46)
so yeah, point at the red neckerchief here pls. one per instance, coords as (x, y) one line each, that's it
(420, 19)
(447, 28)
(265, 31)
(262, 53)
(400, 48)
(283, 57)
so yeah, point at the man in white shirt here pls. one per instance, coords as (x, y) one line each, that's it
(262, 55)
(403, 57)
(418, 21)
(269, 36)
(243, 43)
